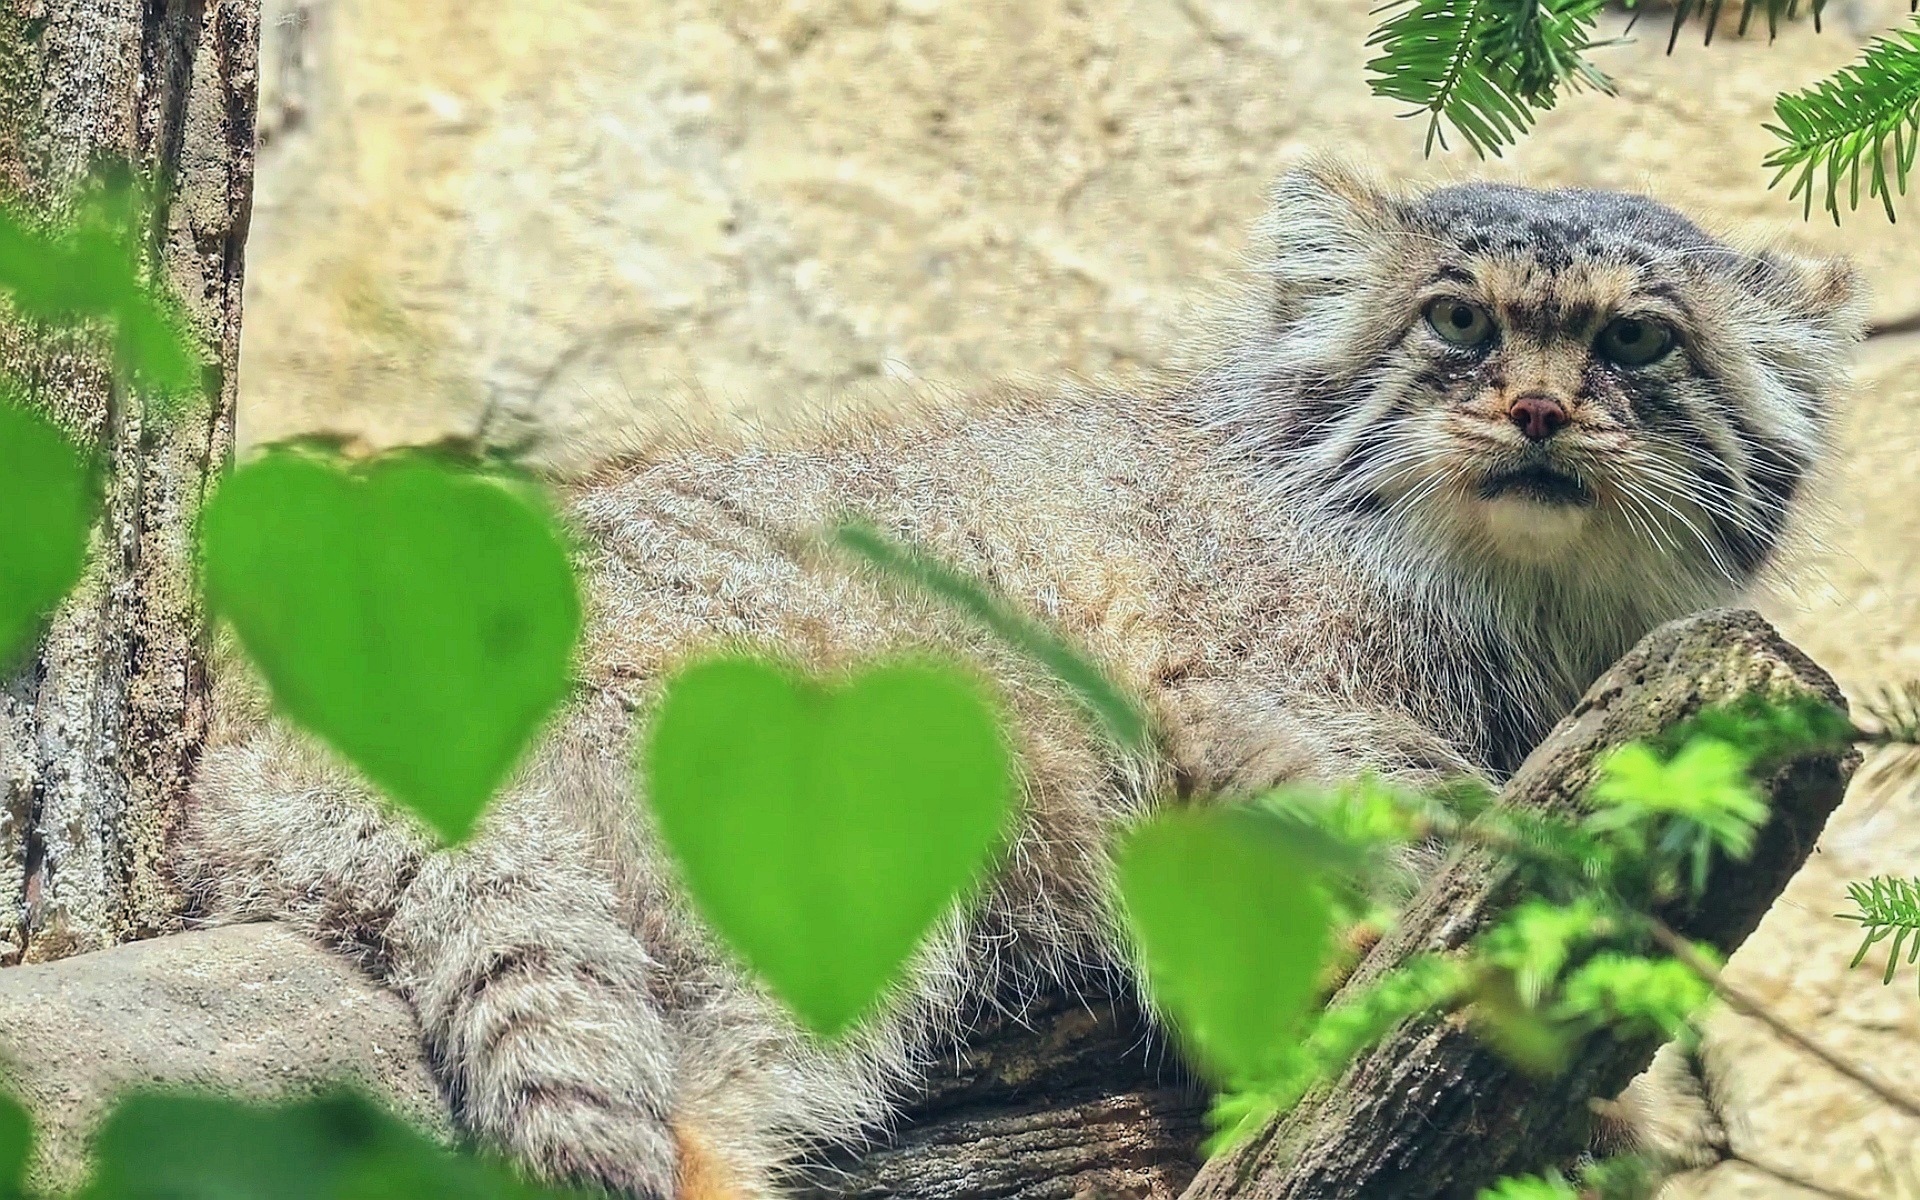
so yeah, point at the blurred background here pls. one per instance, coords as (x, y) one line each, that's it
(540, 223)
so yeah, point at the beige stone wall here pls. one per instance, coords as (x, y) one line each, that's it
(538, 221)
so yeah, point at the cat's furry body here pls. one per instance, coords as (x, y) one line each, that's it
(1310, 562)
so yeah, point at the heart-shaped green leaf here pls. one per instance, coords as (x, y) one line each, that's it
(16, 1147)
(47, 493)
(337, 1146)
(418, 616)
(88, 269)
(822, 830)
(1232, 928)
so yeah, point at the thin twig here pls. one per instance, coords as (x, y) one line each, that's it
(1682, 950)
(1910, 323)
(1791, 1178)
(1719, 1137)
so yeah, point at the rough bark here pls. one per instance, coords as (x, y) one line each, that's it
(1078, 1099)
(1429, 1113)
(99, 731)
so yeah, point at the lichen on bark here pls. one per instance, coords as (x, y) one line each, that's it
(99, 729)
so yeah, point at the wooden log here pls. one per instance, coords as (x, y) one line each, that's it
(1074, 1099)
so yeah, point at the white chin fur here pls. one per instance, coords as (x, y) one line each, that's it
(1529, 530)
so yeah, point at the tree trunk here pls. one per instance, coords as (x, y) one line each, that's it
(99, 732)
(1068, 1107)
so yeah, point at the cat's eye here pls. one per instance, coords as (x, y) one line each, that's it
(1461, 323)
(1634, 341)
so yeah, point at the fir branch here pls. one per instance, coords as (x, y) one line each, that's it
(1537, 939)
(1698, 802)
(1891, 735)
(1340, 1033)
(1626, 1177)
(1487, 68)
(1633, 992)
(1870, 111)
(1776, 11)
(1888, 907)
(1769, 733)
(1551, 1186)
(1794, 1179)
(1719, 1129)
(1897, 713)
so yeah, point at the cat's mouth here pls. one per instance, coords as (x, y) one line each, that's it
(1539, 483)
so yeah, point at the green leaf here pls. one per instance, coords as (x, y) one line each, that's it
(16, 1147)
(822, 830)
(333, 1147)
(419, 616)
(88, 270)
(1232, 928)
(152, 345)
(1118, 715)
(1354, 832)
(48, 493)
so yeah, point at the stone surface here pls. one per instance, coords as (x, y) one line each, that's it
(540, 222)
(249, 1009)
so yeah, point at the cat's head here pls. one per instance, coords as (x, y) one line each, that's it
(1564, 381)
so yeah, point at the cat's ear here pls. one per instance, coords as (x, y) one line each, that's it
(1825, 290)
(1798, 318)
(1821, 293)
(1325, 230)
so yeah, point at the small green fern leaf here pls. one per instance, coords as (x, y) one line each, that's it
(1868, 111)
(1887, 907)
(1897, 713)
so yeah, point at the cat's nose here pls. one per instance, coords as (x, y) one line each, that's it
(1537, 416)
